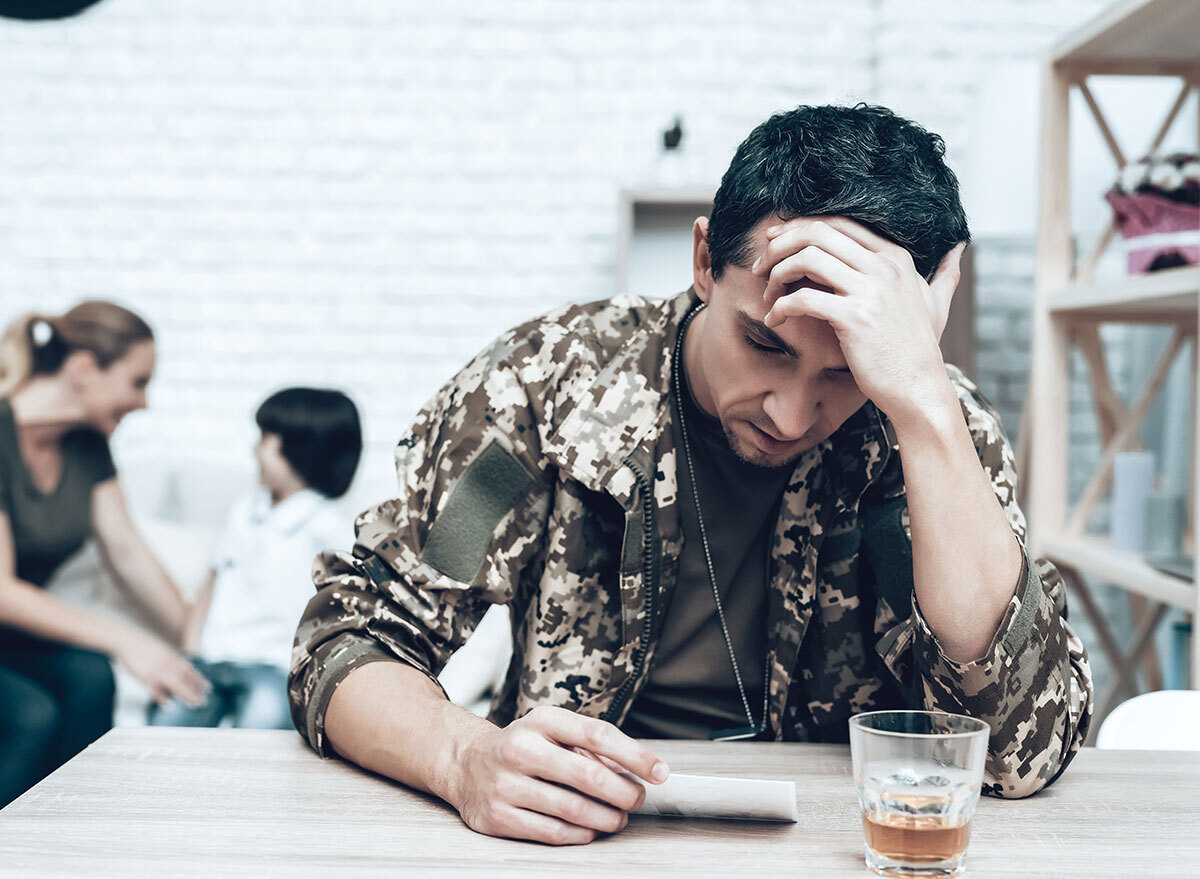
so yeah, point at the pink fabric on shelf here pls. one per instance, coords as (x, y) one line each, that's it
(1158, 221)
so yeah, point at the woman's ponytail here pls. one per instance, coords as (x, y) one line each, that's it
(35, 344)
(19, 349)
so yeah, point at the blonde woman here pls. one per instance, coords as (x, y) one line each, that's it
(65, 384)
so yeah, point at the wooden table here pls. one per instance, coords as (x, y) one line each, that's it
(178, 802)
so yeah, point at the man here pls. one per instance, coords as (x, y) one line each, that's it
(751, 510)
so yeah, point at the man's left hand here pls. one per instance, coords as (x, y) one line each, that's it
(887, 318)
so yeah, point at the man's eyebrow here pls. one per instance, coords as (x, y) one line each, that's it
(765, 332)
(761, 329)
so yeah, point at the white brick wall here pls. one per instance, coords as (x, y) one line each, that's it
(365, 193)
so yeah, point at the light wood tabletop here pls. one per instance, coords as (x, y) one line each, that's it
(184, 802)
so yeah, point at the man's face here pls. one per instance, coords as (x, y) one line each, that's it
(776, 392)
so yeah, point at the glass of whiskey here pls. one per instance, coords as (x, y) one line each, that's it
(918, 775)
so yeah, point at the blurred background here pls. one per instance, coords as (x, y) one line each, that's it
(363, 194)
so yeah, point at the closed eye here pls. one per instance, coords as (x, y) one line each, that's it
(761, 348)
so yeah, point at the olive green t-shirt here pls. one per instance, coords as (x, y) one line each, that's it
(49, 527)
(692, 690)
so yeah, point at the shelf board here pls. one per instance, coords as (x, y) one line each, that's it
(1128, 570)
(1170, 295)
(1135, 36)
(657, 196)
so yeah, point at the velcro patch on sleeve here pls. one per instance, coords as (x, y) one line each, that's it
(489, 489)
(1030, 589)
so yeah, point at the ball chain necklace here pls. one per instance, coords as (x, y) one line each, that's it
(752, 729)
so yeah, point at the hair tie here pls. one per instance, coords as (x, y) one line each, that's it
(41, 332)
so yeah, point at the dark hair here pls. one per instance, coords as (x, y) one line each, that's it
(320, 435)
(862, 162)
(39, 344)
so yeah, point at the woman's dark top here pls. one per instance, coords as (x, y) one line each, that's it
(49, 527)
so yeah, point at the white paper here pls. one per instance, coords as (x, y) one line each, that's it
(704, 796)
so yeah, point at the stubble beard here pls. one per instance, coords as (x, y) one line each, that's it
(756, 458)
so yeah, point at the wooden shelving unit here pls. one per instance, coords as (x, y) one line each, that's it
(1132, 38)
(1094, 556)
(1161, 297)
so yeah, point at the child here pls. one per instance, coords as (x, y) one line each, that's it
(244, 619)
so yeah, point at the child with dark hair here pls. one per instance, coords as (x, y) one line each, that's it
(241, 629)
(317, 433)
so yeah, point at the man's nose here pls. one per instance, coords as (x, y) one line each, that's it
(792, 410)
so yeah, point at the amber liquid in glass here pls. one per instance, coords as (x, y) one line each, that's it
(916, 839)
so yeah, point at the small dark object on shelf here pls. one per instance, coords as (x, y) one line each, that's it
(673, 135)
(1170, 260)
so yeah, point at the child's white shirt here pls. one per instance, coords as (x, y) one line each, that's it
(263, 565)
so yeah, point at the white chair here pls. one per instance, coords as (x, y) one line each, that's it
(1166, 720)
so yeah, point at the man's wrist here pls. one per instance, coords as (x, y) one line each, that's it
(931, 411)
(463, 729)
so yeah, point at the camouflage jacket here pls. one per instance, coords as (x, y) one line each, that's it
(543, 476)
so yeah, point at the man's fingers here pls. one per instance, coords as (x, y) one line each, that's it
(551, 762)
(601, 779)
(619, 771)
(567, 805)
(825, 233)
(584, 752)
(942, 286)
(601, 738)
(949, 272)
(872, 241)
(807, 302)
(521, 823)
(820, 233)
(811, 264)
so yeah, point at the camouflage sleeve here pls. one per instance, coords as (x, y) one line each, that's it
(469, 515)
(1033, 685)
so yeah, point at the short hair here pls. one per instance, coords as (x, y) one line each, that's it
(862, 162)
(320, 435)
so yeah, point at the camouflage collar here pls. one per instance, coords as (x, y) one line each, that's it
(623, 407)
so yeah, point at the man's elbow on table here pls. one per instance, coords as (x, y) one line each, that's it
(1014, 787)
(317, 672)
(1029, 770)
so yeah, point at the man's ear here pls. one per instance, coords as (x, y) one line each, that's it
(702, 276)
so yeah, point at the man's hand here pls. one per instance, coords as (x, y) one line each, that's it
(887, 318)
(530, 780)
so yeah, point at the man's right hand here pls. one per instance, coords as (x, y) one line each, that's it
(532, 780)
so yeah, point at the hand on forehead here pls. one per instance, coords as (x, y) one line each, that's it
(836, 255)
(822, 253)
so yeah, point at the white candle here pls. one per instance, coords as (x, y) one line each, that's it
(1133, 474)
